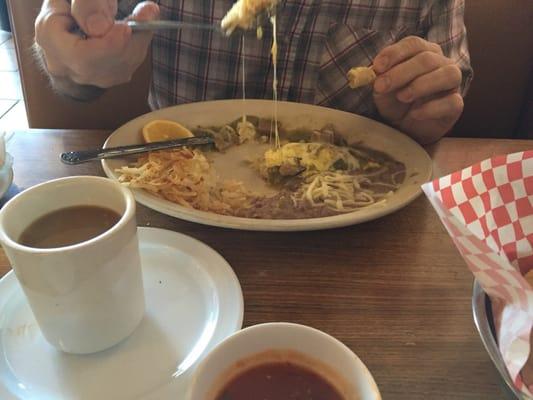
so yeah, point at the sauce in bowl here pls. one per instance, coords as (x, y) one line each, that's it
(279, 380)
(281, 374)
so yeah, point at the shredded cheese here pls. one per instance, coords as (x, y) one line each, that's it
(339, 191)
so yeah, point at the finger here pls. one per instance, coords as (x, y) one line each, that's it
(442, 79)
(95, 17)
(117, 68)
(402, 74)
(113, 43)
(145, 11)
(401, 51)
(54, 15)
(448, 108)
(138, 47)
(55, 7)
(77, 50)
(102, 61)
(48, 24)
(52, 31)
(93, 56)
(389, 107)
(127, 62)
(111, 60)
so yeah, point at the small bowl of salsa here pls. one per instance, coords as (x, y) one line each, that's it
(282, 361)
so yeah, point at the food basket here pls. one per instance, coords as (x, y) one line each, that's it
(487, 209)
(482, 313)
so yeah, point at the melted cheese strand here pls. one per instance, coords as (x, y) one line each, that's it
(243, 82)
(274, 52)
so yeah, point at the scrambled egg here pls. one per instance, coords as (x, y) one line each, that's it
(243, 14)
(293, 158)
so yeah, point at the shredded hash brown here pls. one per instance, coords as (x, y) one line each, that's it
(184, 176)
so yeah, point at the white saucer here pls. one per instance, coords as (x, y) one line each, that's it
(193, 301)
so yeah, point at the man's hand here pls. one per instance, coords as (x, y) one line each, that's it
(417, 89)
(107, 57)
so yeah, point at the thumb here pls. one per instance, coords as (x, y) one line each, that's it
(95, 17)
(145, 11)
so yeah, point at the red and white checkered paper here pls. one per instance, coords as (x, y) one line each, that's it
(488, 211)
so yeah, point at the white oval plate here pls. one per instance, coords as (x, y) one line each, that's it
(353, 127)
(193, 301)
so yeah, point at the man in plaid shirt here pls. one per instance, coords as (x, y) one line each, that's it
(417, 47)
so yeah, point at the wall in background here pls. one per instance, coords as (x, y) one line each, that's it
(500, 36)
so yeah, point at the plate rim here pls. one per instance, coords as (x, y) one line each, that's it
(9, 283)
(268, 225)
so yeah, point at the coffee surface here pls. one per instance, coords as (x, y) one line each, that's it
(68, 226)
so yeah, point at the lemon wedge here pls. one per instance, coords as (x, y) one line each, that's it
(160, 130)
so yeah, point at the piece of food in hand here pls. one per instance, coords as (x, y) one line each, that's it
(160, 130)
(243, 14)
(360, 76)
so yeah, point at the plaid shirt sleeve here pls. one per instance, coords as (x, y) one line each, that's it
(445, 22)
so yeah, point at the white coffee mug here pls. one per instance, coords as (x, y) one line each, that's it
(85, 297)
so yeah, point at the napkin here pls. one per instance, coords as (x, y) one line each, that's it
(487, 209)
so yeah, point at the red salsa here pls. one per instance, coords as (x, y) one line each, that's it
(278, 381)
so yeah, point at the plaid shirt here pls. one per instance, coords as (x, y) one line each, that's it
(318, 42)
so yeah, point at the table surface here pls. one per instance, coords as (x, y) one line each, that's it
(395, 290)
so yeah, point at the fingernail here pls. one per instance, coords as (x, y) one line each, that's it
(406, 96)
(382, 63)
(382, 84)
(146, 11)
(154, 11)
(97, 24)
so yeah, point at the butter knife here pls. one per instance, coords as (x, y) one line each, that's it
(78, 157)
